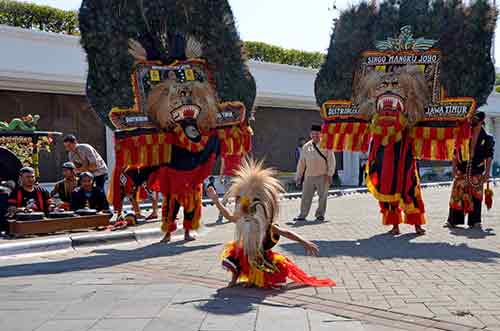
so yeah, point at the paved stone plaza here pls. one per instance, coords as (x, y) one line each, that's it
(445, 280)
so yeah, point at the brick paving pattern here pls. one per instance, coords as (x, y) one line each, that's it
(445, 280)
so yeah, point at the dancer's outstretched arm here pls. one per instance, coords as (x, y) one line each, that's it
(212, 194)
(310, 247)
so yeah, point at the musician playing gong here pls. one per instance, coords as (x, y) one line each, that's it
(29, 194)
(88, 196)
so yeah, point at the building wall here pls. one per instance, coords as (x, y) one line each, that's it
(62, 113)
(276, 133)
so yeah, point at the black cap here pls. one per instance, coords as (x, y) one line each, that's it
(479, 116)
(86, 174)
(316, 127)
(70, 138)
(26, 170)
(69, 165)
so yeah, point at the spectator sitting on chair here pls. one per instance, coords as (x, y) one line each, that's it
(29, 194)
(86, 158)
(64, 188)
(88, 196)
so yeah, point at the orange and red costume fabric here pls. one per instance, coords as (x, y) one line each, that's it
(171, 163)
(468, 185)
(234, 260)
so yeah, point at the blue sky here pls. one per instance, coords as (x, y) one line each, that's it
(295, 24)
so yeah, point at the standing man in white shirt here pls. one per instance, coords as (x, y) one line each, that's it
(86, 159)
(315, 169)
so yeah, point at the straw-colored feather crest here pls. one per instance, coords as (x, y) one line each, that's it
(257, 191)
(255, 182)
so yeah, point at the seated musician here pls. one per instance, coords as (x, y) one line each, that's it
(4, 197)
(88, 196)
(64, 188)
(29, 194)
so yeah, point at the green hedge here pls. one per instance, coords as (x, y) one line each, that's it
(44, 18)
(268, 53)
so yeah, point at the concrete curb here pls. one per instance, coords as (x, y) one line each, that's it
(35, 246)
(78, 241)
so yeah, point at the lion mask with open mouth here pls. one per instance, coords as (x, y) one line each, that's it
(180, 99)
(402, 92)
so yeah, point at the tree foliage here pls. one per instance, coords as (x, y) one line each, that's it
(44, 18)
(107, 25)
(49, 19)
(268, 53)
(464, 34)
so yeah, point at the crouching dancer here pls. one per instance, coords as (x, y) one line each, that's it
(250, 257)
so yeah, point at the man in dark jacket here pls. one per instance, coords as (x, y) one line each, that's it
(88, 196)
(29, 194)
(470, 173)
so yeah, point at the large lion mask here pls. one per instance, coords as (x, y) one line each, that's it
(402, 92)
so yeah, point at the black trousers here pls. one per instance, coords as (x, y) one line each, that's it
(457, 217)
(99, 181)
(361, 174)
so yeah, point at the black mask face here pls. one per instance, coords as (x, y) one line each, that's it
(475, 124)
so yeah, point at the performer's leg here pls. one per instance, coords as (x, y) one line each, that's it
(322, 189)
(455, 217)
(192, 213)
(170, 208)
(135, 205)
(231, 263)
(474, 218)
(391, 215)
(307, 196)
(154, 206)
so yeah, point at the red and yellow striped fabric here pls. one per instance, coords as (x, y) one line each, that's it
(345, 136)
(439, 143)
(236, 140)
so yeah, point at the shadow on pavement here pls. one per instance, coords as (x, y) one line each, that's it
(299, 224)
(105, 258)
(231, 301)
(472, 233)
(383, 246)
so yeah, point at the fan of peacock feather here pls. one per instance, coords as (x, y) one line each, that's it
(166, 30)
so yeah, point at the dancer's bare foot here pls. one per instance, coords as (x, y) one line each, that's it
(394, 231)
(246, 285)
(152, 216)
(233, 281)
(166, 238)
(188, 236)
(419, 230)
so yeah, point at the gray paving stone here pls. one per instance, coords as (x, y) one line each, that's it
(129, 324)
(290, 319)
(21, 321)
(67, 325)
(136, 309)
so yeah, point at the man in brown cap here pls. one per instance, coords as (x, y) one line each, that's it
(65, 187)
(470, 173)
(315, 168)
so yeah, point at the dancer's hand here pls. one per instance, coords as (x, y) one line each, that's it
(212, 193)
(311, 248)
